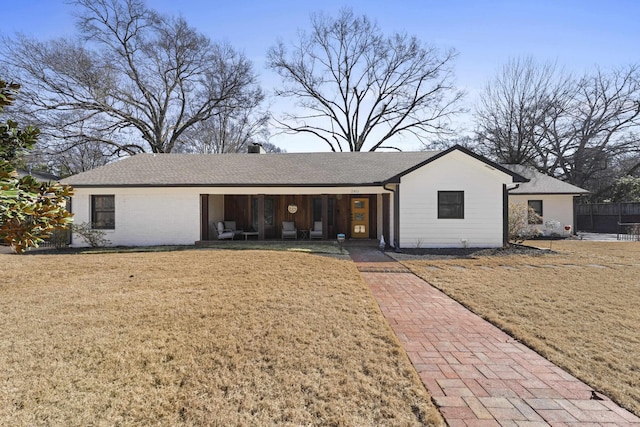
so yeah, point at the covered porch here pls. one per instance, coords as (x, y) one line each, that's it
(357, 215)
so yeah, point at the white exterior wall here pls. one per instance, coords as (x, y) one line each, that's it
(482, 225)
(555, 207)
(145, 216)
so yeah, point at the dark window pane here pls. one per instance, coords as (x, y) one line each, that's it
(317, 209)
(268, 212)
(332, 208)
(536, 205)
(103, 212)
(451, 204)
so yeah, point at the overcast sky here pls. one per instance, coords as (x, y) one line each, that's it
(576, 34)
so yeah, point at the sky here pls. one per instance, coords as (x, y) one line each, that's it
(576, 35)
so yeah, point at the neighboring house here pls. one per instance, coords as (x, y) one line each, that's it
(40, 176)
(451, 198)
(552, 199)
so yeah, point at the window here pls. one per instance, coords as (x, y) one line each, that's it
(317, 209)
(451, 204)
(268, 212)
(536, 206)
(103, 212)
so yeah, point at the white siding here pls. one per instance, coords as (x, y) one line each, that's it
(145, 216)
(555, 207)
(482, 225)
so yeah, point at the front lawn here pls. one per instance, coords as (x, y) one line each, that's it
(200, 337)
(580, 308)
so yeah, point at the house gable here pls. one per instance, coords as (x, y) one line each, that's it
(482, 188)
(515, 176)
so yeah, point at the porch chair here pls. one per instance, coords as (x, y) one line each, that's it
(316, 233)
(224, 233)
(289, 230)
(231, 225)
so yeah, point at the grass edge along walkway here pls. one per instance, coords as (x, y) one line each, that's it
(475, 372)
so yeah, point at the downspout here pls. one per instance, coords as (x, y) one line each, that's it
(396, 214)
(505, 213)
(575, 215)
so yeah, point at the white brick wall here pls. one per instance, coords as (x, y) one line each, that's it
(145, 216)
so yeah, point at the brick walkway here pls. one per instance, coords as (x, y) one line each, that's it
(477, 374)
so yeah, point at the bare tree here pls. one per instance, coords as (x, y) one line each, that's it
(444, 143)
(514, 108)
(132, 81)
(68, 158)
(573, 129)
(359, 87)
(598, 127)
(228, 132)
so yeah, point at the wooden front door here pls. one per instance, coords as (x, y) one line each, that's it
(359, 218)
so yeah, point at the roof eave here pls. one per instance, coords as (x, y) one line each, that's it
(516, 177)
(551, 193)
(199, 185)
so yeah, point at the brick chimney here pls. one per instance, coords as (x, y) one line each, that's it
(255, 148)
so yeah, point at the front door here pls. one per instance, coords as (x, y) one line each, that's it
(359, 218)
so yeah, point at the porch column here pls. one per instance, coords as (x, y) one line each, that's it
(325, 213)
(505, 216)
(396, 217)
(261, 217)
(204, 217)
(386, 218)
(574, 226)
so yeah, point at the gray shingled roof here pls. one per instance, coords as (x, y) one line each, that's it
(540, 183)
(40, 176)
(290, 169)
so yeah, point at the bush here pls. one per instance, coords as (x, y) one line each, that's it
(95, 238)
(520, 219)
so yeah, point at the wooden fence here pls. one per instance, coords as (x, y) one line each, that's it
(607, 217)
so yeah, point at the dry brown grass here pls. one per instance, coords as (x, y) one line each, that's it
(581, 316)
(199, 338)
